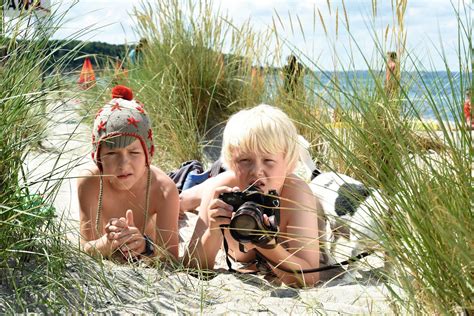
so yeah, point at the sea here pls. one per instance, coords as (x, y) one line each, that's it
(435, 95)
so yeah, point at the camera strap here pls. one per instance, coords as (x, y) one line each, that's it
(320, 269)
(226, 249)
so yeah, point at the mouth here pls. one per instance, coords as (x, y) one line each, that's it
(124, 176)
(257, 185)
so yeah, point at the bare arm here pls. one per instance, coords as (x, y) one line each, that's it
(90, 242)
(300, 223)
(207, 237)
(190, 199)
(167, 216)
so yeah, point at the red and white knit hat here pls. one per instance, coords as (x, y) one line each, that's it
(119, 123)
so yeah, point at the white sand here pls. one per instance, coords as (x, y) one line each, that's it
(147, 290)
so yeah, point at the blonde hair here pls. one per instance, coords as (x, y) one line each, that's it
(262, 129)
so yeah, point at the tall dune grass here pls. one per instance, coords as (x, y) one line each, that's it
(32, 256)
(425, 175)
(195, 71)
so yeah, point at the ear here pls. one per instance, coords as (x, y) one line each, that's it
(129, 216)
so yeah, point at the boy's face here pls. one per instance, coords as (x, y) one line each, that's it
(125, 166)
(264, 171)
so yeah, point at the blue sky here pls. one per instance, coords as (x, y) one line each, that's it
(428, 23)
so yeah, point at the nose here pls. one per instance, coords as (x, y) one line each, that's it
(257, 169)
(123, 159)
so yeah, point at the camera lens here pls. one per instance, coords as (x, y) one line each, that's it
(244, 225)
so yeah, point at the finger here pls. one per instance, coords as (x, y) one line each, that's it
(118, 222)
(220, 220)
(217, 203)
(124, 236)
(123, 220)
(220, 212)
(115, 229)
(266, 220)
(116, 232)
(220, 216)
(220, 190)
(109, 223)
(129, 216)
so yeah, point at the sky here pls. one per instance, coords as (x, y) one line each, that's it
(428, 23)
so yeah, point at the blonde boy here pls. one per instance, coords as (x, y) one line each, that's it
(117, 216)
(260, 149)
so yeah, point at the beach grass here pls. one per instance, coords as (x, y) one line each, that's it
(423, 169)
(33, 256)
(193, 72)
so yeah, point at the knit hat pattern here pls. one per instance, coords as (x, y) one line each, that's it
(119, 123)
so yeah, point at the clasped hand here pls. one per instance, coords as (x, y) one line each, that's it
(123, 235)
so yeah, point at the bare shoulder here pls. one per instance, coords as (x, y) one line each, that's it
(88, 180)
(298, 197)
(297, 193)
(162, 185)
(295, 186)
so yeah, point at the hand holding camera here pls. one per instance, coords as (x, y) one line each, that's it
(220, 213)
(251, 207)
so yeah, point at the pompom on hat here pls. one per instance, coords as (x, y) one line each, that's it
(119, 123)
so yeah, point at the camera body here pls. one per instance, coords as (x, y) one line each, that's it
(247, 224)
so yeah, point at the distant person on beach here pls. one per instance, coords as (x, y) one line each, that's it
(128, 207)
(292, 73)
(257, 78)
(137, 53)
(3, 54)
(392, 74)
(260, 150)
(468, 110)
(120, 72)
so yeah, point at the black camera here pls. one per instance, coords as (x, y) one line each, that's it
(247, 224)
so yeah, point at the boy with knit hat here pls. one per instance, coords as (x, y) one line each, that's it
(118, 218)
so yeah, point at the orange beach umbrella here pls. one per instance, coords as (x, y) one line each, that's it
(87, 76)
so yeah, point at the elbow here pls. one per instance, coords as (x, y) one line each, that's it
(300, 280)
(196, 263)
(194, 260)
